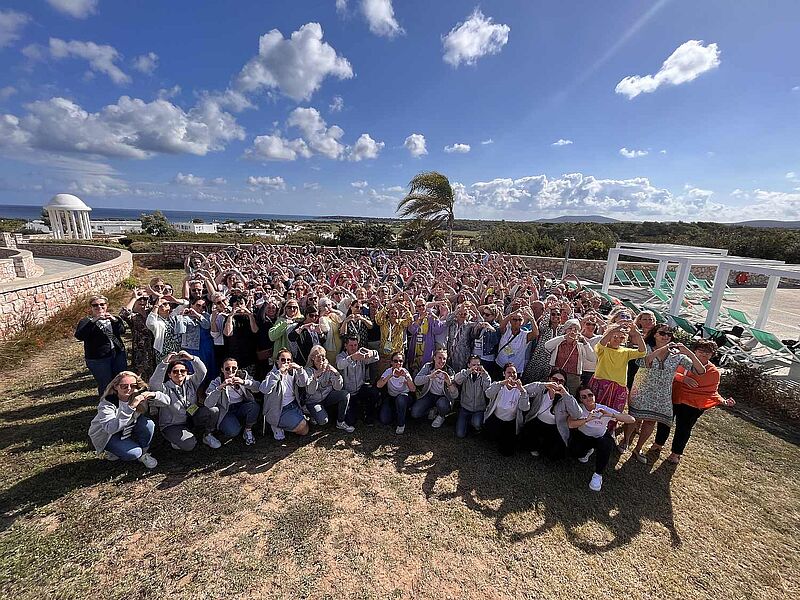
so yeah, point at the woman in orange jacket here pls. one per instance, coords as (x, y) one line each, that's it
(692, 395)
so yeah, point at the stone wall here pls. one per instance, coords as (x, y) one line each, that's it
(16, 263)
(8, 240)
(151, 260)
(35, 300)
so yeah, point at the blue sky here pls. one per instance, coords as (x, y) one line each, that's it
(634, 109)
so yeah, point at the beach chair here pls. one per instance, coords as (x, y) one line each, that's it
(664, 282)
(660, 318)
(728, 347)
(776, 348)
(607, 297)
(684, 325)
(635, 309)
(740, 317)
(622, 277)
(640, 278)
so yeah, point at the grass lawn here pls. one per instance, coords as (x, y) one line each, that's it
(374, 515)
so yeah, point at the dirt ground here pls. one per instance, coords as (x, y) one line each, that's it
(375, 515)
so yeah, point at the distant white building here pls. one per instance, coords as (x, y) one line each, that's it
(196, 227)
(112, 227)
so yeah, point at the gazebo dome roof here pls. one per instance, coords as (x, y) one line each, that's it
(67, 202)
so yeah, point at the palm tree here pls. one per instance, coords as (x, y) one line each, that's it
(430, 200)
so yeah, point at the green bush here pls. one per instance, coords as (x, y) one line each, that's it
(756, 387)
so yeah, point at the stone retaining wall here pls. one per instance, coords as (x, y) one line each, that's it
(21, 264)
(31, 301)
(151, 260)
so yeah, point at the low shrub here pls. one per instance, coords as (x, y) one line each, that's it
(754, 386)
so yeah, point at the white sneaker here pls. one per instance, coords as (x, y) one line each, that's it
(596, 483)
(534, 453)
(437, 422)
(400, 430)
(432, 414)
(345, 427)
(212, 442)
(278, 433)
(585, 459)
(249, 438)
(148, 461)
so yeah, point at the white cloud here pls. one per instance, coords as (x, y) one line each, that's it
(415, 143)
(146, 63)
(101, 58)
(341, 6)
(11, 24)
(189, 179)
(690, 60)
(561, 142)
(336, 105)
(274, 147)
(266, 183)
(312, 185)
(662, 151)
(319, 137)
(80, 9)
(457, 148)
(791, 175)
(575, 193)
(167, 93)
(359, 184)
(632, 153)
(474, 38)
(7, 91)
(131, 128)
(295, 66)
(364, 148)
(395, 189)
(218, 181)
(486, 142)
(764, 204)
(796, 88)
(380, 16)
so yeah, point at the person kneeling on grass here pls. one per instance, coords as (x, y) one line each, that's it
(692, 394)
(232, 394)
(508, 402)
(324, 389)
(590, 433)
(399, 384)
(121, 430)
(473, 382)
(184, 409)
(281, 391)
(437, 390)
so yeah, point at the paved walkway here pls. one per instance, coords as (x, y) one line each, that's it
(57, 264)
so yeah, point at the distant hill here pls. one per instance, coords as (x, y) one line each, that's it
(579, 219)
(777, 224)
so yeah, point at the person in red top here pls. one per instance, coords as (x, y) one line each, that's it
(692, 395)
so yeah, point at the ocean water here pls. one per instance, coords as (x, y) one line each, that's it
(30, 213)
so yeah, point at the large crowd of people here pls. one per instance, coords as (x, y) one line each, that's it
(274, 339)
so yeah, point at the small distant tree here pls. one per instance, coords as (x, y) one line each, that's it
(45, 217)
(197, 220)
(365, 235)
(156, 224)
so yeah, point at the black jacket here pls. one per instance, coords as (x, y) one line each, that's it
(97, 344)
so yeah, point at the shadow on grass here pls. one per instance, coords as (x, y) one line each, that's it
(66, 428)
(506, 490)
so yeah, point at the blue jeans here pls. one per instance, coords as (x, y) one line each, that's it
(466, 418)
(338, 398)
(133, 447)
(106, 368)
(400, 405)
(421, 407)
(241, 412)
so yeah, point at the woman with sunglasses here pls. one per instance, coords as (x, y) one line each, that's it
(184, 410)
(121, 430)
(281, 391)
(437, 390)
(357, 323)
(514, 342)
(163, 323)
(508, 403)
(651, 394)
(692, 395)
(399, 384)
(232, 393)
(143, 356)
(103, 348)
(289, 318)
(545, 432)
(266, 317)
(324, 390)
(488, 340)
(308, 334)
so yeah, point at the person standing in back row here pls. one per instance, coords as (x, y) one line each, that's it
(103, 348)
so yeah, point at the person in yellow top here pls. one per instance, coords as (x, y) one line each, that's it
(392, 320)
(610, 377)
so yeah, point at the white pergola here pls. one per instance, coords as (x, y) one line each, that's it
(69, 217)
(687, 256)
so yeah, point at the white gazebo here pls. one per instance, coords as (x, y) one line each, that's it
(69, 217)
(687, 256)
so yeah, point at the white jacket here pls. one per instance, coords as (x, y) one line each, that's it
(585, 351)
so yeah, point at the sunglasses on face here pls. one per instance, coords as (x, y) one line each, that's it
(178, 371)
(399, 361)
(231, 369)
(126, 386)
(284, 360)
(665, 333)
(98, 305)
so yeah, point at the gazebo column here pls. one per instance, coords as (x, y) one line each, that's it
(74, 222)
(718, 293)
(681, 279)
(611, 266)
(88, 225)
(662, 269)
(767, 301)
(67, 224)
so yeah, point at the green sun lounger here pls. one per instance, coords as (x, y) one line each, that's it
(777, 349)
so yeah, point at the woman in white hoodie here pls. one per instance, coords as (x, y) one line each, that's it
(121, 430)
(568, 353)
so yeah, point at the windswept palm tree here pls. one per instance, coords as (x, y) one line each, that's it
(430, 200)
